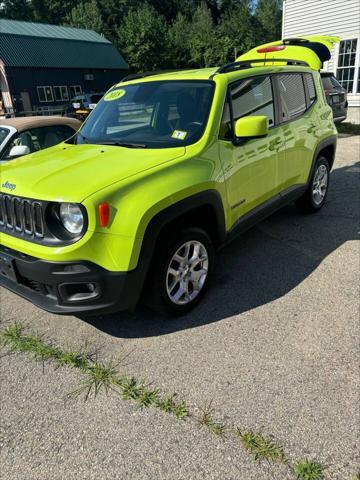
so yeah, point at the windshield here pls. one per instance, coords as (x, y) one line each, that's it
(158, 114)
(4, 132)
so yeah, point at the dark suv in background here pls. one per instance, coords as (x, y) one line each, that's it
(336, 96)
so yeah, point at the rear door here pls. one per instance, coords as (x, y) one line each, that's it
(251, 168)
(298, 121)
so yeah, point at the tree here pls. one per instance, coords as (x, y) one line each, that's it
(86, 15)
(179, 42)
(52, 11)
(142, 38)
(16, 10)
(237, 28)
(201, 37)
(268, 14)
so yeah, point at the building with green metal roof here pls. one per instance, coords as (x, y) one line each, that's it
(43, 66)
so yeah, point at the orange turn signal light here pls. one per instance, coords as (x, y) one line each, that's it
(104, 214)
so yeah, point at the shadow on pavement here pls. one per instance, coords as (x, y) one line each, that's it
(262, 265)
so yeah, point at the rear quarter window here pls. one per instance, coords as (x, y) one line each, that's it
(292, 96)
(309, 81)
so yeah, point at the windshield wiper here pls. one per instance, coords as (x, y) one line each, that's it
(123, 144)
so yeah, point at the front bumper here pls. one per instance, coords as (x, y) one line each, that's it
(68, 287)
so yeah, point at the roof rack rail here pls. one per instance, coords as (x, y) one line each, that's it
(233, 66)
(135, 76)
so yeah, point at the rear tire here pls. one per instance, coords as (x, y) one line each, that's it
(315, 195)
(180, 272)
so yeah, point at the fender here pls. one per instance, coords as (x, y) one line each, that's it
(210, 198)
(327, 142)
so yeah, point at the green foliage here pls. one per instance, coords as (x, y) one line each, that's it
(142, 37)
(269, 17)
(86, 15)
(307, 470)
(260, 447)
(16, 10)
(158, 34)
(206, 420)
(348, 128)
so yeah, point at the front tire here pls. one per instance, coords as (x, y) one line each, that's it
(314, 197)
(180, 272)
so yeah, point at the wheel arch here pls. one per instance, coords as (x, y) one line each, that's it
(327, 149)
(204, 209)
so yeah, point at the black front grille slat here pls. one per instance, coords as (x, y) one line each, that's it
(28, 222)
(22, 215)
(2, 213)
(9, 212)
(38, 219)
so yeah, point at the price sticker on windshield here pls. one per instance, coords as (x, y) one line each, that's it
(114, 95)
(179, 134)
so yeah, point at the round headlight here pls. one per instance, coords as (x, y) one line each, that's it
(72, 217)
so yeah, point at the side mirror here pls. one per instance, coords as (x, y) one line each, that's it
(18, 151)
(251, 127)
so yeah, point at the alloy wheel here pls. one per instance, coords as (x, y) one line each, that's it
(187, 272)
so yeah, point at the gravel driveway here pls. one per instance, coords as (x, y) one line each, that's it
(274, 347)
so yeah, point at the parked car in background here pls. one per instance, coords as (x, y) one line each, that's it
(336, 96)
(23, 135)
(81, 105)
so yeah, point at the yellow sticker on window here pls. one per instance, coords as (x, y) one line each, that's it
(114, 95)
(179, 135)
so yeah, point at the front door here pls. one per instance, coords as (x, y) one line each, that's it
(250, 169)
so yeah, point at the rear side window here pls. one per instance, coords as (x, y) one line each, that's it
(292, 96)
(309, 81)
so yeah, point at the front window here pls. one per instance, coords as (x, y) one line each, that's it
(160, 114)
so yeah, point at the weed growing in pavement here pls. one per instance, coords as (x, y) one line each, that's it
(307, 470)
(260, 447)
(149, 397)
(169, 405)
(100, 376)
(206, 419)
(131, 388)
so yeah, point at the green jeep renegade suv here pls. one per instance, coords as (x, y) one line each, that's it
(165, 170)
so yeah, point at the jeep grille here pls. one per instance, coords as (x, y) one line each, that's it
(21, 216)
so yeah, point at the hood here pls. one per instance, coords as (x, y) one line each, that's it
(73, 172)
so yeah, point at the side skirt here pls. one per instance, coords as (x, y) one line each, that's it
(265, 210)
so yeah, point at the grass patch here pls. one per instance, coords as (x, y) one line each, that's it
(349, 128)
(99, 376)
(307, 470)
(206, 419)
(260, 447)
